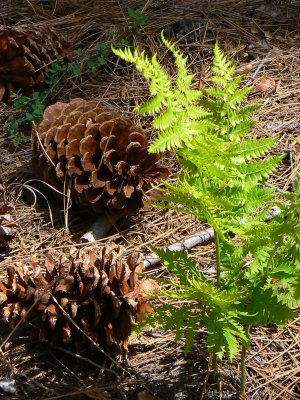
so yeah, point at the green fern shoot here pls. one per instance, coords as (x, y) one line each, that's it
(223, 183)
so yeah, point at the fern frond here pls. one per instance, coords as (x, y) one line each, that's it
(221, 67)
(168, 138)
(238, 97)
(216, 93)
(287, 285)
(265, 307)
(223, 330)
(184, 79)
(256, 198)
(192, 324)
(240, 129)
(165, 120)
(160, 84)
(193, 284)
(214, 106)
(251, 148)
(232, 85)
(183, 266)
(195, 112)
(154, 105)
(240, 115)
(221, 184)
(257, 171)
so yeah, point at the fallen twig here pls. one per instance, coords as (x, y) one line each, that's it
(191, 241)
(264, 60)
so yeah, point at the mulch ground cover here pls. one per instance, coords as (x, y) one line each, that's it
(263, 37)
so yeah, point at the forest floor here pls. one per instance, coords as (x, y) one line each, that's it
(263, 37)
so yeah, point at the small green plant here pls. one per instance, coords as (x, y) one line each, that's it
(222, 183)
(31, 110)
(100, 60)
(74, 68)
(121, 37)
(112, 34)
(13, 127)
(137, 19)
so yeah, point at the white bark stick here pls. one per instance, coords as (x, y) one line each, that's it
(100, 228)
(191, 241)
(184, 244)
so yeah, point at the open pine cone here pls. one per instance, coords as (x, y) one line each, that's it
(93, 287)
(103, 153)
(25, 53)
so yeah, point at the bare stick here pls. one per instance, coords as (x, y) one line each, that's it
(184, 244)
(100, 228)
(191, 241)
(264, 60)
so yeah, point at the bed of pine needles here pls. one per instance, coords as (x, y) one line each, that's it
(264, 39)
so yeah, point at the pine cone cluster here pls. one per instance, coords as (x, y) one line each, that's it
(104, 154)
(92, 287)
(25, 53)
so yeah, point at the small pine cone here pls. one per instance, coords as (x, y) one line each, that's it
(25, 53)
(103, 153)
(92, 286)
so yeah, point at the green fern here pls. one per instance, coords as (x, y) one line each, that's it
(223, 331)
(224, 169)
(197, 294)
(174, 102)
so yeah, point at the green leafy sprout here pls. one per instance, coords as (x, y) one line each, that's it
(137, 18)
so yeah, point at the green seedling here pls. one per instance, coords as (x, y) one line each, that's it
(137, 19)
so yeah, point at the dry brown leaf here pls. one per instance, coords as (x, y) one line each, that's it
(265, 84)
(148, 286)
(244, 69)
(144, 395)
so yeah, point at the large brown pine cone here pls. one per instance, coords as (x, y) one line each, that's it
(93, 287)
(104, 155)
(25, 53)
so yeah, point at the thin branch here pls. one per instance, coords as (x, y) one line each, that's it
(184, 244)
(191, 241)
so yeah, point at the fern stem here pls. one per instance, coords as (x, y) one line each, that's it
(218, 273)
(202, 182)
(214, 366)
(272, 255)
(243, 366)
(218, 262)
